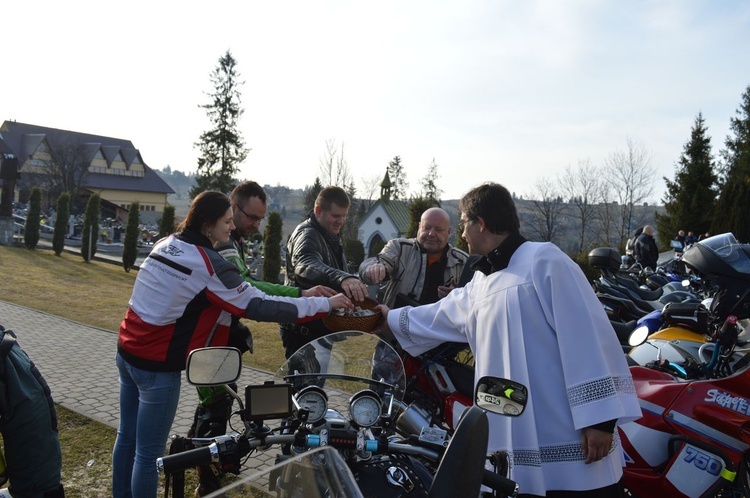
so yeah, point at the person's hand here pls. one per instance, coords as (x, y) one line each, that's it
(596, 444)
(318, 291)
(444, 290)
(355, 289)
(382, 328)
(375, 273)
(340, 301)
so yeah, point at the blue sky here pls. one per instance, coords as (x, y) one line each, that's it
(508, 91)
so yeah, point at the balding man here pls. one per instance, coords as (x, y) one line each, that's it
(646, 252)
(420, 270)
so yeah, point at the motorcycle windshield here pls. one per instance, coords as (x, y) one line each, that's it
(720, 244)
(347, 362)
(313, 474)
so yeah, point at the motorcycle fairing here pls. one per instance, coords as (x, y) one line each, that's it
(675, 350)
(711, 413)
(678, 333)
(651, 445)
(455, 406)
(694, 471)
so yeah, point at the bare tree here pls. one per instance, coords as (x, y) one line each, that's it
(67, 169)
(580, 187)
(369, 189)
(631, 177)
(334, 170)
(62, 168)
(544, 223)
(606, 214)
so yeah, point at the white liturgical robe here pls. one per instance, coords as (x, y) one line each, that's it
(539, 323)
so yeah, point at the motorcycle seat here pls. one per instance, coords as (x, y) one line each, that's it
(645, 294)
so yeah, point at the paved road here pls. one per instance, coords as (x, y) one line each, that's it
(78, 362)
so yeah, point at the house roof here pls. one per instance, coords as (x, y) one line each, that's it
(398, 211)
(24, 139)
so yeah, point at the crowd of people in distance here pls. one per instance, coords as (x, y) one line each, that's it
(641, 248)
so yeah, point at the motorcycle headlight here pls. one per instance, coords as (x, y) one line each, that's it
(638, 336)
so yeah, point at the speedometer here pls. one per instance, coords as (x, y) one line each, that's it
(364, 408)
(315, 400)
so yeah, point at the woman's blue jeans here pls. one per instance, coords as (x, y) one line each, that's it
(148, 404)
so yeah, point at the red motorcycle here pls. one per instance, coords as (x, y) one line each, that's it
(694, 437)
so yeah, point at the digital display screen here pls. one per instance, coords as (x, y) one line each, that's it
(268, 401)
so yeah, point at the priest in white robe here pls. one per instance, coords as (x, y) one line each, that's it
(530, 315)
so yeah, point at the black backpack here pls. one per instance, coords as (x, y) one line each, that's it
(28, 424)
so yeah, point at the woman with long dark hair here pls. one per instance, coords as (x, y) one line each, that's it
(183, 298)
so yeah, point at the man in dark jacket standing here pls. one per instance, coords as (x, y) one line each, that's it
(646, 252)
(315, 256)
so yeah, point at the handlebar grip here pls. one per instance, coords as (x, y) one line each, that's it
(499, 483)
(187, 459)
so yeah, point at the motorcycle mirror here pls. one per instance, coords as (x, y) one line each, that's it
(213, 366)
(502, 396)
(638, 336)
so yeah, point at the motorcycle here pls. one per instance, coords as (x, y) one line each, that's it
(627, 296)
(342, 391)
(687, 343)
(694, 437)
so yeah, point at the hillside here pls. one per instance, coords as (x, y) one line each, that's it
(289, 203)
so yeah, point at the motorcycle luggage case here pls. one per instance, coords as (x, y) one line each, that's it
(605, 257)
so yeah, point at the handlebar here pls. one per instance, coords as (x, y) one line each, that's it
(187, 459)
(499, 483)
(216, 452)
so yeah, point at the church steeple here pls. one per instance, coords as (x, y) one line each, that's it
(385, 188)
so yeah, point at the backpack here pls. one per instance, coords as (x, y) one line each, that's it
(28, 424)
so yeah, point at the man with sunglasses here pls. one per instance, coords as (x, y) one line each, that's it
(215, 405)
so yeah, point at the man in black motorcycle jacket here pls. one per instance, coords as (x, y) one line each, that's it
(646, 252)
(315, 256)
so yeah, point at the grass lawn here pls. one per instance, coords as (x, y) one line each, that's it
(96, 294)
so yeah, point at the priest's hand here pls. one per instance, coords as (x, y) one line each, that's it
(596, 444)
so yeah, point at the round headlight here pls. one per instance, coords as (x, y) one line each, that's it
(638, 336)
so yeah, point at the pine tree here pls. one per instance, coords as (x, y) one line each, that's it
(311, 193)
(397, 174)
(272, 249)
(417, 207)
(690, 197)
(130, 246)
(31, 229)
(355, 252)
(349, 231)
(730, 214)
(166, 225)
(222, 147)
(90, 228)
(430, 189)
(61, 223)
